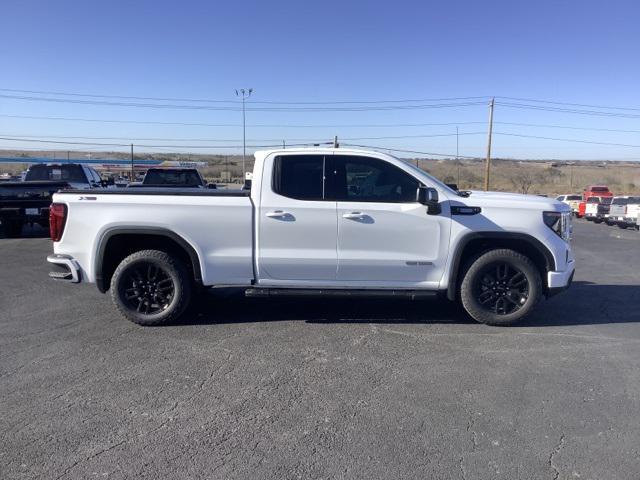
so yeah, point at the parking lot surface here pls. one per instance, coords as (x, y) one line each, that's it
(263, 388)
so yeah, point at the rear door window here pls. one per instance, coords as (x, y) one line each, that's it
(299, 176)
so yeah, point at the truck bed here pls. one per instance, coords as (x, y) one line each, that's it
(217, 224)
(183, 191)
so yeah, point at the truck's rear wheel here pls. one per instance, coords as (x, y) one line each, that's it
(151, 287)
(500, 287)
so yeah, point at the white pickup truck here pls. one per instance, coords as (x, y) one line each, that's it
(320, 221)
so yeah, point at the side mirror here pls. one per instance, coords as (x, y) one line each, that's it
(429, 196)
(212, 186)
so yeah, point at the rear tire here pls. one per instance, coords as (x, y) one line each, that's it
(500, 287)
(151, 288)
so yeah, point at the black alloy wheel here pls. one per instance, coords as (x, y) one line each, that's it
(150, 289)
(501, 288)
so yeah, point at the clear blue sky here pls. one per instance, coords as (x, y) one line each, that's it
(570, 51)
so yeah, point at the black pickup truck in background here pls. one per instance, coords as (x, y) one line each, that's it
(28, 202)
(173, 177)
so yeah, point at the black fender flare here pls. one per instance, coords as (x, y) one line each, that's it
(162, 232)
(457, 259)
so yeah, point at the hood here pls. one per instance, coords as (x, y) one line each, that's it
(514, 200)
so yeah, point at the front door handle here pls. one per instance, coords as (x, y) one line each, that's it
(277, 214)
(354, 215)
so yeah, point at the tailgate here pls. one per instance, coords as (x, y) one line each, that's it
(18, 196)
(591, 209)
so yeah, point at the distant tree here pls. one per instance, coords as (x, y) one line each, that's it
(523, 179)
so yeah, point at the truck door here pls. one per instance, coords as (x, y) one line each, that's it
(385, 237)
(297, 225)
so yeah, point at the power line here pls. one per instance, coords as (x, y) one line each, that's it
(567, 110)
(567, 140)
(189, 124)
(393, 149)
(567, 127)
(237, 109)
(144, 145)
(570, 104)
(143, 139)
(270, 102)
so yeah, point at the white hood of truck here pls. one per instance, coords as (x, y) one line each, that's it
(514, 200)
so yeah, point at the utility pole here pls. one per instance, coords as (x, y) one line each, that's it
(284, 145)
(132, 177)
(571, 178)
(487, 170)
(244, 93)
(67, 155)
(457, 160)
(335, 142)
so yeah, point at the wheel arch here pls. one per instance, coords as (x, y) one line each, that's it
(476, 243)
(117, 243)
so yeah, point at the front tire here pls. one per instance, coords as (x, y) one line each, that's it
(500, 287)
(151, 288)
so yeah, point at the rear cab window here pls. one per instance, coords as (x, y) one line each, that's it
(71, 173)
(300, 177)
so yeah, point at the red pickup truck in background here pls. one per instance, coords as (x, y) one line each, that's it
(592, 191)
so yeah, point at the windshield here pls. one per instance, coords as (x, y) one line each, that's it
(619, 201)
(594, 200)
(606, 200)
(574, 197)
(71, 173)
(599, 189)
(172, 177)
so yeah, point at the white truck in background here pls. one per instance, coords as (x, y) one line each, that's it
(320, 221)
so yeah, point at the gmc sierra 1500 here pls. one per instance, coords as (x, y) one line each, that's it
(316, 221)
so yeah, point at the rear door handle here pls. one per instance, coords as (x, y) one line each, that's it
(354, 215)
(277, 214)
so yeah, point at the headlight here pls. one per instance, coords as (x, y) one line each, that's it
(559, 222)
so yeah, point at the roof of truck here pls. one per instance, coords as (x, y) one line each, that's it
(321, 149)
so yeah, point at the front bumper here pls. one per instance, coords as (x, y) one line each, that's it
(560, 281)
(65, 268)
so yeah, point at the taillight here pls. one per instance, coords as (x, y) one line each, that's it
(57, 219)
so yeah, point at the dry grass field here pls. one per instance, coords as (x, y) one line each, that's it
(549, 177)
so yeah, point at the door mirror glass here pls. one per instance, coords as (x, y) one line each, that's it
(427, 196)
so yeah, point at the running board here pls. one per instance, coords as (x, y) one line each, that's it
(264, 292)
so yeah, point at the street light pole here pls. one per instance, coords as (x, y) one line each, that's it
(244, 93)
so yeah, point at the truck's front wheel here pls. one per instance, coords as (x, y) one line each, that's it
(500, 287)
(151, 287)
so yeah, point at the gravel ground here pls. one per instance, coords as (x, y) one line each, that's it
(322, 388)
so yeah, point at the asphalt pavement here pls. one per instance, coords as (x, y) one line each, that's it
(321, 388)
